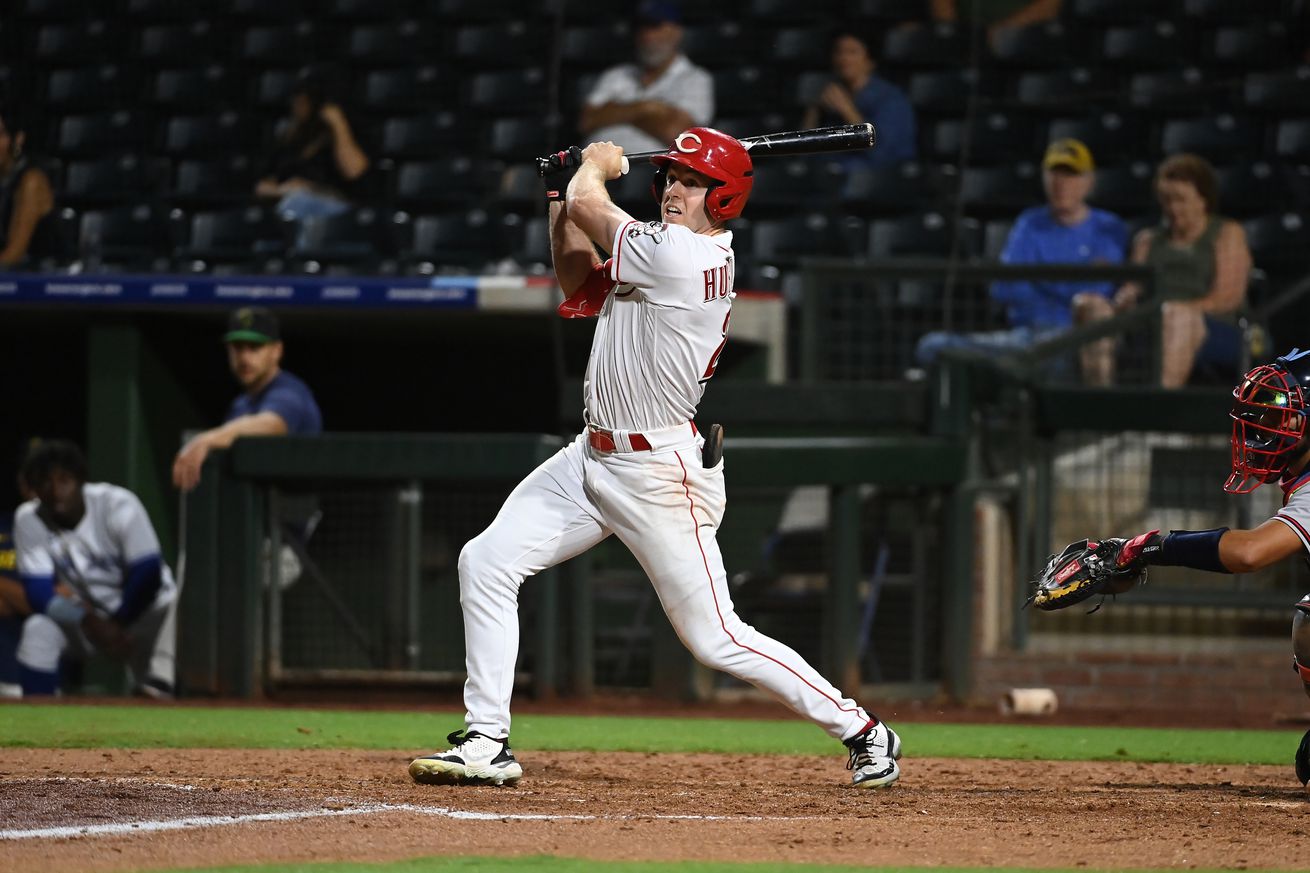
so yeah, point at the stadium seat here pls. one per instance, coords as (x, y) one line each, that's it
(1252, 187)
(284, 11)
(103, 133)
(996, 234)
(947, 92)
(1218, 11)
(754, 125)
(893, 190)
(1292, 139)
(746, 90)
(1103, 12)
(1045, 45)
(927, 234)
(376, 44)
(409, 89)
(536, 243)
(421, 136)
(349, 238)
(86, 88)
(51, 10)
(785, 186)
(466, 241)
(75, 44)
(801, 48)
(458, 181)
(1055, 90)
(508, 45)
(1184, 91)
(1254, 46)
(211, 183)
(810, 234)
(152, 11)
(230, 235)
(518, 139)
(498, 10)
(596, 46)
(1219, 138)
(1005, 190)
(282, 45)
(175, 44)
(226, 133)
(1112, 136)
(887, 13)
(1125, 190)
(721, 45)
(366, 10)
(936, 45)
(1156, 46)
(520, 91)
(776, 13)
(1282, 92)
(190, 88)
(126, 237)
(113, 180)
(993, 136)
(521, 190)
(1279, 242)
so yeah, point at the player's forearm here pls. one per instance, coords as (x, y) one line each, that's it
(571, 251)
(589, 205)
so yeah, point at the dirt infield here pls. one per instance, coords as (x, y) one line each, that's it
(121, 810)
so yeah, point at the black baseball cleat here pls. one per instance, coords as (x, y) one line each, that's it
(874, 752)
(474, 759)
(1302, 759)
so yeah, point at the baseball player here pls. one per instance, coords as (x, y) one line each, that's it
(90, 565)
(640, 469)
(1270, 443)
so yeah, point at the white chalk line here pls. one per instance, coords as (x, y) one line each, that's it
(209, 821)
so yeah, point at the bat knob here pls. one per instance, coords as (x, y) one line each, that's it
(623, 164)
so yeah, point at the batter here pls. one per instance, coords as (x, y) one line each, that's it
(664, 301)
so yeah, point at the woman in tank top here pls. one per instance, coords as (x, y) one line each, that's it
(27, 201)
(1203, 264)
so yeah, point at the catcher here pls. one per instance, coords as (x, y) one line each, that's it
(1270, 443)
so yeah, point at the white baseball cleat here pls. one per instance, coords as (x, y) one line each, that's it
(874, 752)
(474, 759)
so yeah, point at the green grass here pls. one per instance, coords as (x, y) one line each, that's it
(77, 726)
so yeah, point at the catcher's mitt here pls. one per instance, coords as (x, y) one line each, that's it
(1084, 569)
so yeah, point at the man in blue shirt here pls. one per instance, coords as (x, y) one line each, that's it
(857, 95)
(1064, 231)
(273, 402)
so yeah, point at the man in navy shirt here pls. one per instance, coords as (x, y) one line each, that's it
(273, 402)
(1063, 231)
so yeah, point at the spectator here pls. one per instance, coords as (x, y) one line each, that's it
(27, 200)
(994, 14)
(643, 106)
(1202, 267)
(14, 607)
(856, 95)
(1064, 231)
(273, 402)
(316, 159)
(91, 569)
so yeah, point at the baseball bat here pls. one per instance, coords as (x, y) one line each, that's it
(819, 140)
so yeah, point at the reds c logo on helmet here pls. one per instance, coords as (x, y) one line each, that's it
(718, 156)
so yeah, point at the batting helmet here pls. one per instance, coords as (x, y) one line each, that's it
(1269, 420)
(718, 156)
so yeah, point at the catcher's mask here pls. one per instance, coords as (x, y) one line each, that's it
(717, 155)
(1269, 420)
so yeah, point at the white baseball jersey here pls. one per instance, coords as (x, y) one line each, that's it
(662, 329)
(114, 534)
(683, 85)
(1296, 510)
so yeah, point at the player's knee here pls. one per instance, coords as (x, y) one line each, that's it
(477, 562)
(1301, 647)
(41, 643)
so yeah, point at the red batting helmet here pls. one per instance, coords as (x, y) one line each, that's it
(1270, 405)
(718, 156)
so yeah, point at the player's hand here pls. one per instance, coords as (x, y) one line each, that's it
(187, 464)
(108, 636)
(606, 156)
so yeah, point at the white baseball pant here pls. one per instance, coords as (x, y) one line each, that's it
(44, 641)
(665, 507)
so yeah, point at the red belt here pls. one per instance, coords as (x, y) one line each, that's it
(603, 440)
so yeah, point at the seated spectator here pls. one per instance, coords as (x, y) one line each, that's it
(272, 401)
(1064, 231)
(92, 571)
(14, 608)
(316, 159)
(856, 95)
(1203, 265)
(27, 200)
(994, 14)
(643, 106)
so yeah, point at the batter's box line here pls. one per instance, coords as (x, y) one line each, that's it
(118, 829)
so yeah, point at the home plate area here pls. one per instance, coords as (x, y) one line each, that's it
(111, 810)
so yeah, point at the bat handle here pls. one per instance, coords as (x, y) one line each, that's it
(623, 165)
